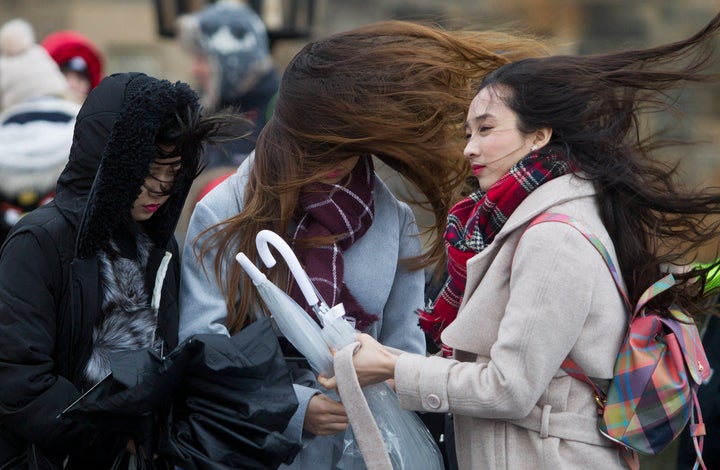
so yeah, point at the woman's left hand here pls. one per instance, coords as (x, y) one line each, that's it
(373, 362)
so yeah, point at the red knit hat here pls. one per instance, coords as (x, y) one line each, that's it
(63, 46)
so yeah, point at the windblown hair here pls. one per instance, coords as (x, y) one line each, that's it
(186, 135)
(594, 105)
(396, 90)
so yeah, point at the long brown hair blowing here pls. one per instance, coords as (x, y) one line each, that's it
(397, 90)
(594, 106)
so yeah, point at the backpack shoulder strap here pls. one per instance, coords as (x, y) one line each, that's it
(568, 365)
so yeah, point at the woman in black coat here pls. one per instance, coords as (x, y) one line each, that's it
(96, 270)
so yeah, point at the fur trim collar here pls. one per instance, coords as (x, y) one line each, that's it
(127, 321)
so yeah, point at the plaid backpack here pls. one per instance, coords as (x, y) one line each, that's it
(661, 364)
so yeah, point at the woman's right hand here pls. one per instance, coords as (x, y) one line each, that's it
(374, 363)
(325, 416)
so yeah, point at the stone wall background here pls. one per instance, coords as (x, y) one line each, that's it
(127, 32)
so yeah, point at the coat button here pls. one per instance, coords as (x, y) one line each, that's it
(433, 401)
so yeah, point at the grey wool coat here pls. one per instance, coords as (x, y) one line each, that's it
(373, 273)
(532, 299)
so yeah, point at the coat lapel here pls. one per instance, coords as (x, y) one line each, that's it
(562, 189)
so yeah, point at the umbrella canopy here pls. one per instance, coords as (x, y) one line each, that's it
(226, 399)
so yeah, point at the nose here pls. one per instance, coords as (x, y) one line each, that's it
(156, 187)
(471, 149)
(199, 69)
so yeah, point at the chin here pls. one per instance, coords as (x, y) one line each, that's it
(141, 217)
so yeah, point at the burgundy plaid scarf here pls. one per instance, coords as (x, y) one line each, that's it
(472, 225)
(345, 210)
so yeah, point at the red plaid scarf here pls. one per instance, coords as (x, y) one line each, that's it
(472, 225)
(344, 210)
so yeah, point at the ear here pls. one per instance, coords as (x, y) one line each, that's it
(542, 137)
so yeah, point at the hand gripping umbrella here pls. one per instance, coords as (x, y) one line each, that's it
(386, 437)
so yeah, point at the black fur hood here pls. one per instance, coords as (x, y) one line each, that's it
(113, 147)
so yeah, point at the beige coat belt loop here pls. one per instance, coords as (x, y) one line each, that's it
(563, 425)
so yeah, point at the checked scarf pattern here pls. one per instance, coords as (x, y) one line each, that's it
(344, 210)
(472, 225)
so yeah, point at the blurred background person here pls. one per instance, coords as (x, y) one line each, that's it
(79, 59)
(708, 393)
(234, 72)
(36, 123)
(233, 69)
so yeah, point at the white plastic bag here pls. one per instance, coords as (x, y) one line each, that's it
(409, 444)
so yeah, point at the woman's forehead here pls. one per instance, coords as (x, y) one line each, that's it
(489, 102)
(167, 155)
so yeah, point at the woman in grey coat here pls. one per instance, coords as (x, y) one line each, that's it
(553, 135)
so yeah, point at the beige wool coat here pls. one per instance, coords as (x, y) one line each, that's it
(532, 299)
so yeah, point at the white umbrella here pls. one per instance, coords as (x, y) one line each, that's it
(336, 331)
(295, 324)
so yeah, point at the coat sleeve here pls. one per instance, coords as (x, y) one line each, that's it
(540, 325)
(202, 303)
(400, 327)
(32, 395)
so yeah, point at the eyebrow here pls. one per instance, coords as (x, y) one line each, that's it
(168, 161)
(477, 119)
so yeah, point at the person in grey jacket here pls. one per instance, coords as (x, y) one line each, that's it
(553, 135)
(344, 101)
(373, 274)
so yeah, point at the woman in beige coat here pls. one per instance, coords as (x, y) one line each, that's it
(556, 134)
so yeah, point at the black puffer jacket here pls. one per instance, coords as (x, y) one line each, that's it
(50, 291)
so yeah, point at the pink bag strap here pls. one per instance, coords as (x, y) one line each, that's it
(568, 365)
(663, 284)
(571, 367)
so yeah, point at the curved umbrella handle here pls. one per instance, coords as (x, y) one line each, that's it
(265, 237)
(255, 274)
